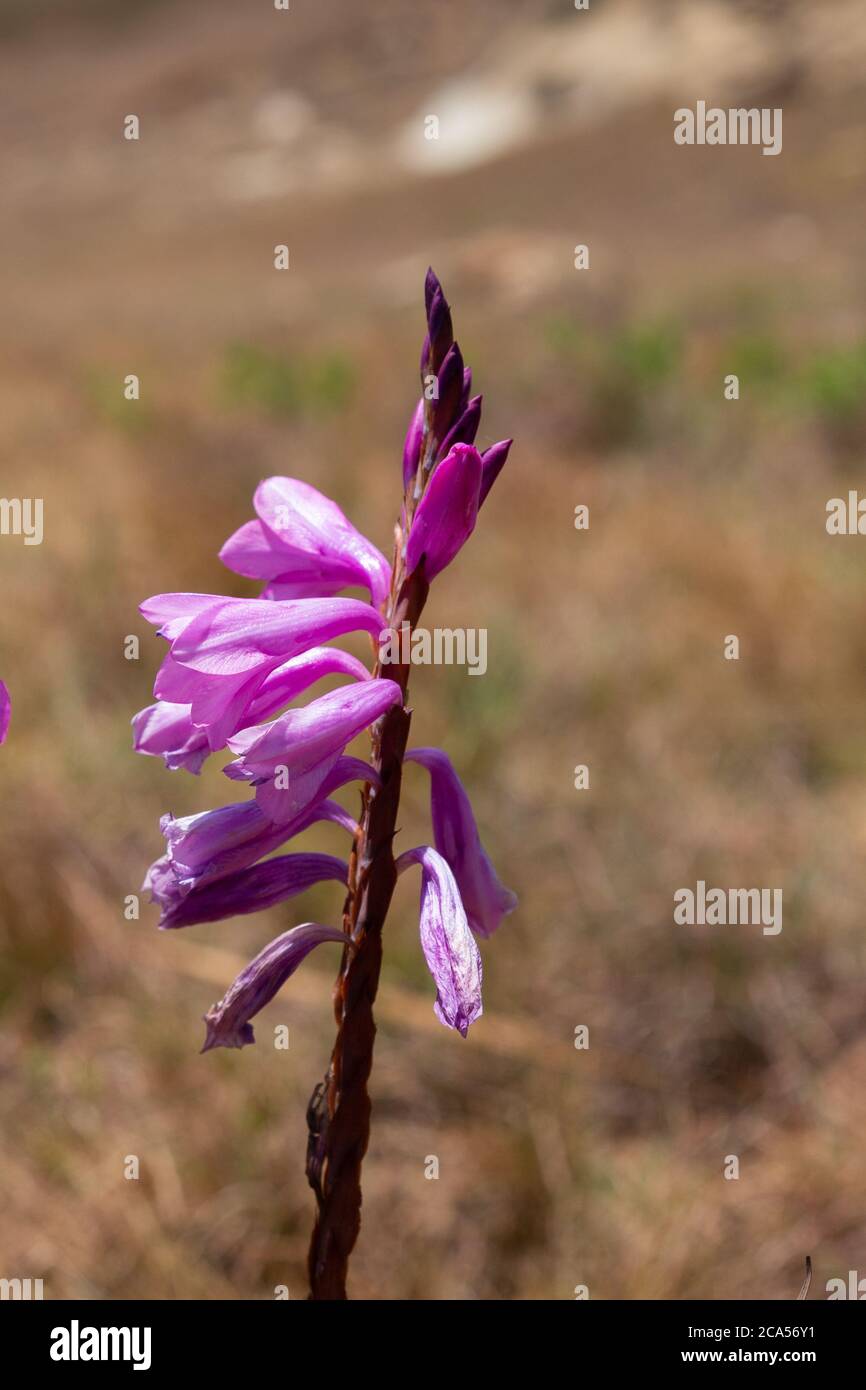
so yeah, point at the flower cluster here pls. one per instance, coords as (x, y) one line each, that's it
(234, 666)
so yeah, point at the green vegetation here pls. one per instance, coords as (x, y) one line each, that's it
(286, 386)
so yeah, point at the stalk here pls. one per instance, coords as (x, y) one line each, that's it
(338, 1115)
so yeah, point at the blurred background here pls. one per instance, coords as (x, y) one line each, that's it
(558, 1167)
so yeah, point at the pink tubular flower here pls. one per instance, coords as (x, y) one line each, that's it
(167, 729)
(304, 545)
(289, 759)
(206, 847)
(222, 654)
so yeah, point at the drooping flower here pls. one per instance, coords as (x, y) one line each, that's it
(228, 1022)
(449, 947)
(5, 711)
(456, 837)
(166, 730)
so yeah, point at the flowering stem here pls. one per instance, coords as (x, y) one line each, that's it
(338, 1116)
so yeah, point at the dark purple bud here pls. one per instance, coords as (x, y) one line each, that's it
(431, 285)
(440, 332)
(446, 406)
(492, 463)
(465, 430)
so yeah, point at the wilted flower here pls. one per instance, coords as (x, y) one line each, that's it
(228, 1022)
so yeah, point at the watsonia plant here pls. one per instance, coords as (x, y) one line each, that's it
(232, 665)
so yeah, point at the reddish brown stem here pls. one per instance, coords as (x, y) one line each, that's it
(338, 1117)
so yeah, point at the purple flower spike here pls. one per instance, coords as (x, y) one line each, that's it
(447, 512)
(5, 711)
(304, 544)
(253, 890)
(230, 678)
(448, 945)
(492, 463)
(289, 758)
(456, 837)
(228, 1022)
